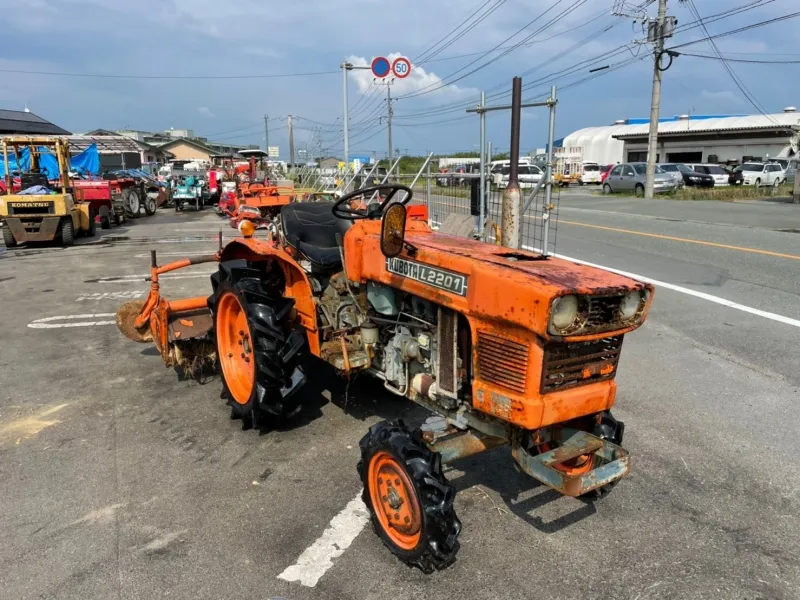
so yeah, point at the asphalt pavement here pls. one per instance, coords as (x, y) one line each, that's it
(120, 479)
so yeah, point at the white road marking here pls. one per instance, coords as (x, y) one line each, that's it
(110, 296)
(688, 291)
(312, 564)
(47, 322)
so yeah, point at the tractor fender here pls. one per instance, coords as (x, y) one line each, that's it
(297, 286)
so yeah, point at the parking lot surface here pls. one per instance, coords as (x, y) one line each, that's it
(121, 479)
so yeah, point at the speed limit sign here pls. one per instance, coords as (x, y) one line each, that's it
(401, 67)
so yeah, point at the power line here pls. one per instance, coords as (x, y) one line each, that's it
(743, 60)
(466, 31)
(461, 23)
(739, 30)
(736, 80)
(427, 90)
(118, 76)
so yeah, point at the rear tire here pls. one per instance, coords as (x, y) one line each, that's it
(132, 202)
(8, 237)
(105, 219)
(92, 225)
(257, 347)
(67, 232)
(607, 189)
(149, 205)
(409, 499)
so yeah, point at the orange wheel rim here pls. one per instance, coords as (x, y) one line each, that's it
(580, 465)
(395, 501)
(235, 348)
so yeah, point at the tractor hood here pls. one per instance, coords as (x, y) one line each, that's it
(492, 283)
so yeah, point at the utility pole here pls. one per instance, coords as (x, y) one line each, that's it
(291, 142)
(389, 116)
(266, 135)
(655, 101)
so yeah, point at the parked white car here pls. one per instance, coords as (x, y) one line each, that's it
(591, 174)
(762, 173)
(719, 174)
(529, 176)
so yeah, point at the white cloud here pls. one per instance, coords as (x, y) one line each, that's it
(419, 80)
(204, 111)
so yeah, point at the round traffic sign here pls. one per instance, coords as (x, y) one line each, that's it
(401, 67)
(380, 67)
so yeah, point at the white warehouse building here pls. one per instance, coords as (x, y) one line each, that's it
(699, 138)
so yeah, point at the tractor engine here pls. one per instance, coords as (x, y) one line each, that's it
(410, 343)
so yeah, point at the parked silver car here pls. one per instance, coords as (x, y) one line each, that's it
(630, 177)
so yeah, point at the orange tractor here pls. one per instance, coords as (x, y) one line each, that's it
(259, 203)
(506, 346)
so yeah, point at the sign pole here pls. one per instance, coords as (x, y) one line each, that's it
(345, 66)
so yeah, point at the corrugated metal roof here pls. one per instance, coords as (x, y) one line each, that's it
(778, 121)
(22, 122)
(106, 144)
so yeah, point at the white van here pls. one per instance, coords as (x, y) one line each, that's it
(498, 168)
(591, 173)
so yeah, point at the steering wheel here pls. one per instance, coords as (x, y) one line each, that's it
(344, 210)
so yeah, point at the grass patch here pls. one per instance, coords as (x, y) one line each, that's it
(729, 193)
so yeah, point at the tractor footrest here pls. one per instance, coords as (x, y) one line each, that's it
(190, 324)
(613, 459)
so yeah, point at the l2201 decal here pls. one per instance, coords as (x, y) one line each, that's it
(455, 283)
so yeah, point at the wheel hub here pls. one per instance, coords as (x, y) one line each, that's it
(235, 348)
(395, 501)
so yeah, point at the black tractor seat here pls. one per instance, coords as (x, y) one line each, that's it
(311, 229)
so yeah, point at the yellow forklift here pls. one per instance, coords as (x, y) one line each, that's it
(38, 207)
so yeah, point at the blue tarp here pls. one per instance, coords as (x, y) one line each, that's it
(87, 161)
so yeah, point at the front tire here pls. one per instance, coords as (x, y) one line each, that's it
(638, 191)
(409, 499)
(67, 232)
(8, 237)
(257, 348)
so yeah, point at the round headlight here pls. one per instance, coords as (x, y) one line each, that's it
(630, 305)
(565, 311)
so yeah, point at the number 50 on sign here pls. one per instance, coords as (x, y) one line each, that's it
(401, 67)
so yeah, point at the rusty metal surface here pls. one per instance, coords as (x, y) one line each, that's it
(46, 232)
(502, 361)
(189, 324)
(613, 459)
(126, 317)
(465, 444)
(566, 365)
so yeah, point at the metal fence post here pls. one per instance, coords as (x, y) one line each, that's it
(482, 191)
(428, 191)
(548, 191)
(510, 227)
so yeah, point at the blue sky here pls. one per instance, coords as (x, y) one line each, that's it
(263, 37)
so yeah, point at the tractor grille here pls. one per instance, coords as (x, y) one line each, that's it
(602, 314)
(579, 363)
(502, 362)
(31, 208)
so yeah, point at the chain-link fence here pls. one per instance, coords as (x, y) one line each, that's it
(447, 194)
